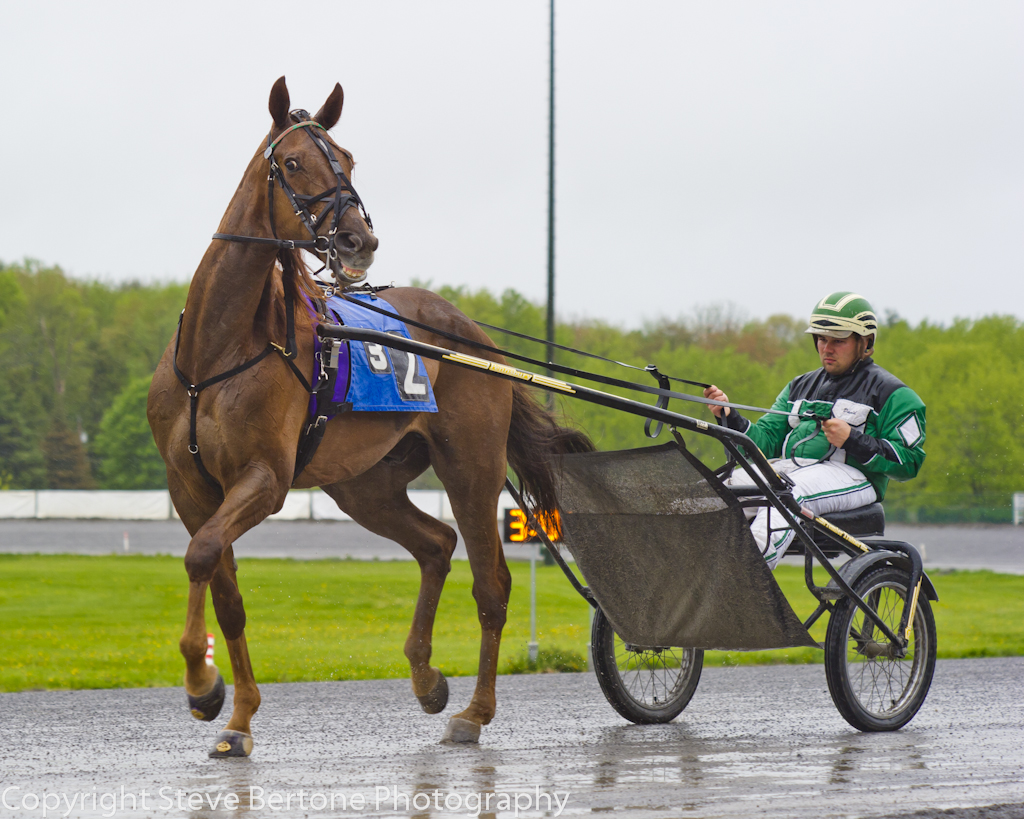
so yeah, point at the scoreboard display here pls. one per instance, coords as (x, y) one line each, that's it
(519, 530)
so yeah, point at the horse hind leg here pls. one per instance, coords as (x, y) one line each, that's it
(474, 499)
(378, 501)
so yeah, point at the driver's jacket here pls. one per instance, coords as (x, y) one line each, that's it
(886, 419)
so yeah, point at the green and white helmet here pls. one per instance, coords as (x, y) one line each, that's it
(841, 314)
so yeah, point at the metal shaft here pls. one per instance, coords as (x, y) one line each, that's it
(550, 334)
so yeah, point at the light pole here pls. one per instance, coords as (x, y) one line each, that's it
(550, 335)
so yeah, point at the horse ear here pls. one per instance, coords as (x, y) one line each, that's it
(279, 103)
(329, 115)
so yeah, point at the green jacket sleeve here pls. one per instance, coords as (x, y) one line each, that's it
(892, 443)
(770, 431)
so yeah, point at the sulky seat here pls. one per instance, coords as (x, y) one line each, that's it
(865, 521)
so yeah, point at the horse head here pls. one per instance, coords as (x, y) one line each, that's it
(319, 209)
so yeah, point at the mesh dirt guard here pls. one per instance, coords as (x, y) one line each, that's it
(666, 551)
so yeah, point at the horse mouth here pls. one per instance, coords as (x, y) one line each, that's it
(347, 275)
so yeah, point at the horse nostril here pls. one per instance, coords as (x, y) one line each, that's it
(348, 242)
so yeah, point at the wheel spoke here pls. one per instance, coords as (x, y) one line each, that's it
(651, 676)
(881, 683)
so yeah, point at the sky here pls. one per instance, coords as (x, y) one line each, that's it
(750, 154)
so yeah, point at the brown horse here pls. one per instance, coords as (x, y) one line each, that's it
(242, 431)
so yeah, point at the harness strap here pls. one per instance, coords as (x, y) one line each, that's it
(287, 353)
(291, 349)
(323, 392)
(308, 123)
(283, 244)
(309, 443)
(662, 402)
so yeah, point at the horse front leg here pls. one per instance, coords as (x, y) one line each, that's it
(209, 562)
(204, 685)
(236, 738)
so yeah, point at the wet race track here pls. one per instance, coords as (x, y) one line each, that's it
(763, 741)
(754, 741)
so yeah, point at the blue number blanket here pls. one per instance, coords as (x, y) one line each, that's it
(372, 377)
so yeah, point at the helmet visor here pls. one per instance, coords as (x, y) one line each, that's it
(828, 332)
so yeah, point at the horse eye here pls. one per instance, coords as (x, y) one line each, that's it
(291, 165)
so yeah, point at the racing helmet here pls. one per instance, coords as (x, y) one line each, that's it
(842, 314)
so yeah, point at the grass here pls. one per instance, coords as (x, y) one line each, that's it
(978, 614)
(110, 622)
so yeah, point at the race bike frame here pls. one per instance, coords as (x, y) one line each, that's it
(775, 489)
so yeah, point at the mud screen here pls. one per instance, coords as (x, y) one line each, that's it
(668, 554)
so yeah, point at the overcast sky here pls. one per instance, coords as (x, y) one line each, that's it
(756, 153)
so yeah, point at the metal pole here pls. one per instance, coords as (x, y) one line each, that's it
(534, 647)
(590, 642)
(550, 337)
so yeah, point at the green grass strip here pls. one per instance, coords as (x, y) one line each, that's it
(111, 622)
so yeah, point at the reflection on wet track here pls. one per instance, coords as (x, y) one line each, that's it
(754, 742)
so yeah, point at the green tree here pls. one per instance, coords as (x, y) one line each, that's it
(67, 466)
(76, 356)
(69, 347)
(128, 457)
(21, 460)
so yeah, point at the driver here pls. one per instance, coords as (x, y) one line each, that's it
(874, 431)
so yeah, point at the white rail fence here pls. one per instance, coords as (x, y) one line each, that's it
(78, 504)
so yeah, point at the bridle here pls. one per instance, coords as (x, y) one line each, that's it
(339, 199)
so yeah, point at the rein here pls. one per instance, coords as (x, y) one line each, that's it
(662, 391)
(342, 197)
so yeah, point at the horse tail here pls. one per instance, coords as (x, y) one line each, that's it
(534, 438)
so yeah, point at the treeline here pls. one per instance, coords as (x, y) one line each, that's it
(970, 375)
(76, 358)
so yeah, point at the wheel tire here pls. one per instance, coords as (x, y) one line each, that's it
(879, 693)
(645, 686)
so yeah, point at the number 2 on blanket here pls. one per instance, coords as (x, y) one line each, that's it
(412, 385)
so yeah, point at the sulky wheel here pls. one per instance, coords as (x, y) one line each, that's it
(645, 685)
(873, 687)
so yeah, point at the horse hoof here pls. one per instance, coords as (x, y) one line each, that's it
(437, 699)
(231, 743)
(461, 730)
(208, 706)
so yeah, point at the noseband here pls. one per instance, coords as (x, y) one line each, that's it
(339, 199)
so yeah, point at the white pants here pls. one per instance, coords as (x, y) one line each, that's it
(824, 487)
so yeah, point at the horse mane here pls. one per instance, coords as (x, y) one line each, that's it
(297, 276)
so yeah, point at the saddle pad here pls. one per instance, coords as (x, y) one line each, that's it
(379, 378)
